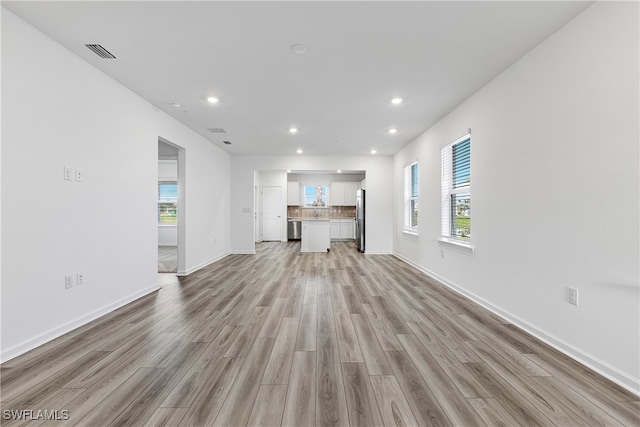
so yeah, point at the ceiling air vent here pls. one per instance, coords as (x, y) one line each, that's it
(227, 142)
(217, 130)
(100, 51)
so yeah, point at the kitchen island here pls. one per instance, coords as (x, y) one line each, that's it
(315, 235)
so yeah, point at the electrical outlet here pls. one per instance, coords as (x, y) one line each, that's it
(80, 278)
(68, 281)
(79, 175)
(68, 173)
(572, 296)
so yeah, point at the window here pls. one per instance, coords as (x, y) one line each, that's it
(411, 198)
(315, 195)
(168, 203)
(456, 191)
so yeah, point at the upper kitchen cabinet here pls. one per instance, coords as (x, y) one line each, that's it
(343, 193)
(337, 193)
(350, 190)
(293, 193)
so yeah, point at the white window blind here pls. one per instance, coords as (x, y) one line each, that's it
(411, 197)
(456, 190)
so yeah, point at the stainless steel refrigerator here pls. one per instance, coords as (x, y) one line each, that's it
(360, 210)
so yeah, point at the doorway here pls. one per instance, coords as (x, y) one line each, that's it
(170, 207)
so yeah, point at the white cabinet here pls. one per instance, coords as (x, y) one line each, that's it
(293, 193)
(343, 193)
(315, 236)
(347, 229)
(350, 189)
(337, 194)
(342, 229)
(335, 229)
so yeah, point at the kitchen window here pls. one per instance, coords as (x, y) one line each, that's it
(456, 191)
(168, 203)
(411, 198)
(315, 196)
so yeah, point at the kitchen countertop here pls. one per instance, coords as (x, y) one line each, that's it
(292, 218)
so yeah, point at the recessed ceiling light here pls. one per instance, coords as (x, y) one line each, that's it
(212, 99)
(373, 151)
(393, 130)
(396, 101)
(293, 130)
(288, 170)
(175, 105)
(299, 151)
(339, 171)
(299, 48)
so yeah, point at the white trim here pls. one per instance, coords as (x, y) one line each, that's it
(368, 252)
(603, 368)
(65, 328)
(244, 251)
(458, 244)
(410, 232)
(201, 265)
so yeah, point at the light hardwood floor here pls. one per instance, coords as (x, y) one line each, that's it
(285, 338)
(167, 259)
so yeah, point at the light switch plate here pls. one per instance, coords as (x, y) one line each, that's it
(68, 173)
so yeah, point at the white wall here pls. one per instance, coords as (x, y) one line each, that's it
(59, 110)
(554, 192)
(379, 194)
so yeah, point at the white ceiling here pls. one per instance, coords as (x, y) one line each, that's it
(359, 55)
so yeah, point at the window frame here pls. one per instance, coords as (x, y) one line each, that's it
(161, 201)
(410, 206)
(449, 191)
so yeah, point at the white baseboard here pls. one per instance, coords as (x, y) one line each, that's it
(368, 252)
(51, 334)
(243, 252)
(603, 368)
(201, 265)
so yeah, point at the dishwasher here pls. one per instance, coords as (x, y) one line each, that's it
(294, 229)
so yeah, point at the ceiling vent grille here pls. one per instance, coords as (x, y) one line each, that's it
(100, 51)
(217, 130)
(227, 142)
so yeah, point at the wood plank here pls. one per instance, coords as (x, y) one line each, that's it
(361, 402)
(424, 405)
(243, 342)
(166, 417)
(393, 406)
(269, 406)
(331, 409)
(236, 410)
(372, 353)
(347, 339)
(307, 328)
(272, 322)
(451, 400)
(216, 385)
(492, 412)
(386, 336)
(279, 367)
(465, 381)
(300, 408)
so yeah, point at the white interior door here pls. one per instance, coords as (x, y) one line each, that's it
(271, 213)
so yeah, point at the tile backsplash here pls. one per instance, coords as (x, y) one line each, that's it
(330, 212)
